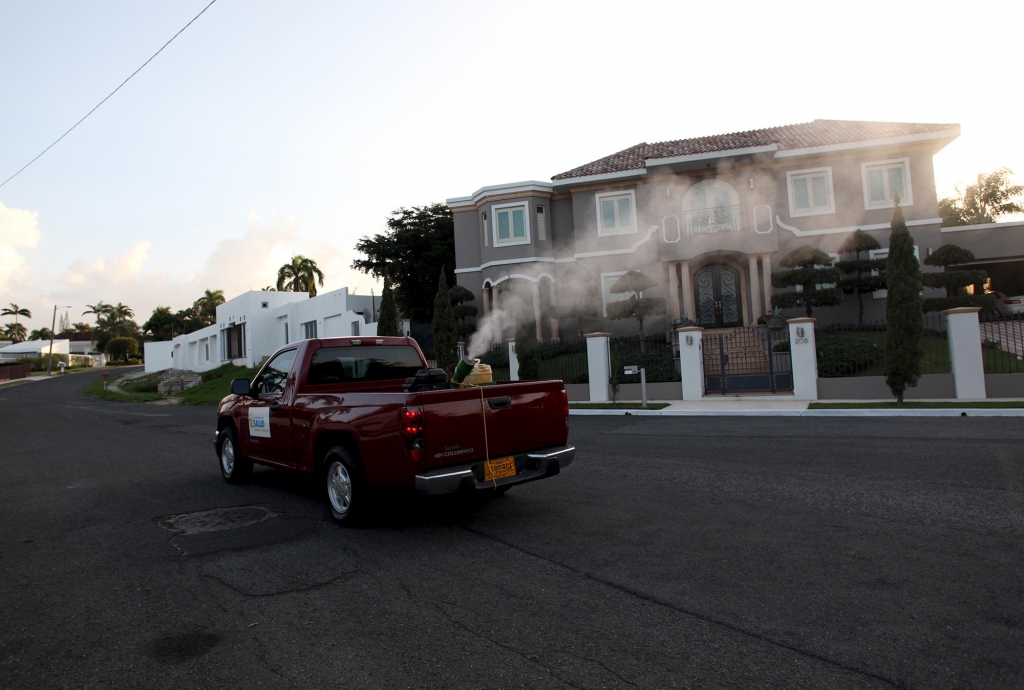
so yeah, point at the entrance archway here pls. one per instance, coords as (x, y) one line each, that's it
(717, 288)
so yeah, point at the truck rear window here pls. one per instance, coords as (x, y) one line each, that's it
(363, 363)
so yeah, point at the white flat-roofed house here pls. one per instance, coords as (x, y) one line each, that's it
(34, 348)
(253, 325)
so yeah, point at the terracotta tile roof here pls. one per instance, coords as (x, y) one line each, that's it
(77, 336)
(786, 137)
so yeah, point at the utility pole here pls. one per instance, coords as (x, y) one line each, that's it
(53, 326)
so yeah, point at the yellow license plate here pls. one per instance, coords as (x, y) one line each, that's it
(499, 468)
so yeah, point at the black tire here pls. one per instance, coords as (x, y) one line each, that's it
(344, 486)
(233, 467)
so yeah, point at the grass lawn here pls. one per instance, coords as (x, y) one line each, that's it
(916, 404)
(616, 406)
(216, 384)
(96, 391)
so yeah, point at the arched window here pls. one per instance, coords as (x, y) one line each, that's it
(711, 206)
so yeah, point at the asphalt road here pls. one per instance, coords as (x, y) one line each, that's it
(700, 552)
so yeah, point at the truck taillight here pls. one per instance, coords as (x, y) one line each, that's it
(411, 425)
(565, 405)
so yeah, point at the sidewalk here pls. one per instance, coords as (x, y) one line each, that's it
(770, 406)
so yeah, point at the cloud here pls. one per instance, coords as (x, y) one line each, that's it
(18, 230)
(236, 264)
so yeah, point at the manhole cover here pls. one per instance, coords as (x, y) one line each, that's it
(215, 520)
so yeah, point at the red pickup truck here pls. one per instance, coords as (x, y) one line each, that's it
(336, 408)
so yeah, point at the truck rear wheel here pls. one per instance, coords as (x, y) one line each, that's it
(344, 485)
(233, 467)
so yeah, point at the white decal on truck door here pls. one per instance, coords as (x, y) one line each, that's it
(259, 422)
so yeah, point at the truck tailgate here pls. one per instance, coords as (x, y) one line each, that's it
(520, 417)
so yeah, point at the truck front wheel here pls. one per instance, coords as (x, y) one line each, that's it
(233, 467)
(344, 485)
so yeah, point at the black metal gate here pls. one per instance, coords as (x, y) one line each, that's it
(747, 360)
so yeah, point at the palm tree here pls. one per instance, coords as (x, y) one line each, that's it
(300, 275)
(16, 311)
(40, 334)
(100, 309)
(80, 327)
(207, 305)
(14, 332)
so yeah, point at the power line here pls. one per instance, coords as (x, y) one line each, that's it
(108, 95)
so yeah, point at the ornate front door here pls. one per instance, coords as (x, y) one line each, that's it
(718, 297)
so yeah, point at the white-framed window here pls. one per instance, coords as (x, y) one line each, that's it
(883, 179)
(810, 192)
(309, 330)
(511, 224)
(542, 225)
(483, 224)
(881, 254)
(607, 296)
(616, 213)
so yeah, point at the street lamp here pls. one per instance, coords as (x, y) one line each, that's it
(53, 327)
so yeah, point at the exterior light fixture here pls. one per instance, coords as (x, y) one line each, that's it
(689, 340)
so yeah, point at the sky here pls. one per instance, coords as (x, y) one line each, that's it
(269, 129)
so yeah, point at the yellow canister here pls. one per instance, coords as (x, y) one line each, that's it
(481, 374)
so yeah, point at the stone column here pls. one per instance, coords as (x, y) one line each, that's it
(513, 361)
(486, 295)
(537, 315)
(964, 333)
(496, 306)
(673, 293)
(553, 300)
(766, 269)
(805, 358)
(688, 306)
(755, 291)
(599, 365)
(691, 362)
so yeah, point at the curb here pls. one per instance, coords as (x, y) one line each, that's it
(933, 412)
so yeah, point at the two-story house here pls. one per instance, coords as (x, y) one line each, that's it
(707, 218)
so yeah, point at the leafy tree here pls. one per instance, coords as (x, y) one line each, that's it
(862, 281)
(64, 323)
(15, 332)
(100, 309)
(122, 347)
(270, 288)
(40, 334)
(992, 196)
(300, 275)
(15, 311)
(418, 245)
(446, 335)
(578, 296)
(206, 306)
(527, 347)
(955, 282)
(462, 311)
(162, 324)
(636, 306)
(387, 317)
(904, 316)
(80, 327)
(810, 271)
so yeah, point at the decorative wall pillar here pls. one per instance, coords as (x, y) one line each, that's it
(691, 362)
(673, 293)
(513, 361)
(964, 334)
(688, 307)
(755, 291)
(804, 352)
(766, 276)
(486, 294)
(553, 301)
(496, 307)
(538, 316)
(599, 365)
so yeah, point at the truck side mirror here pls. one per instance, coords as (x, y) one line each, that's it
(240, 387)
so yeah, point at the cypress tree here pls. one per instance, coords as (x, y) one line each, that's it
(862, 281)
(387, 317)
(904, 318)
(445, 330)
(527, 348)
